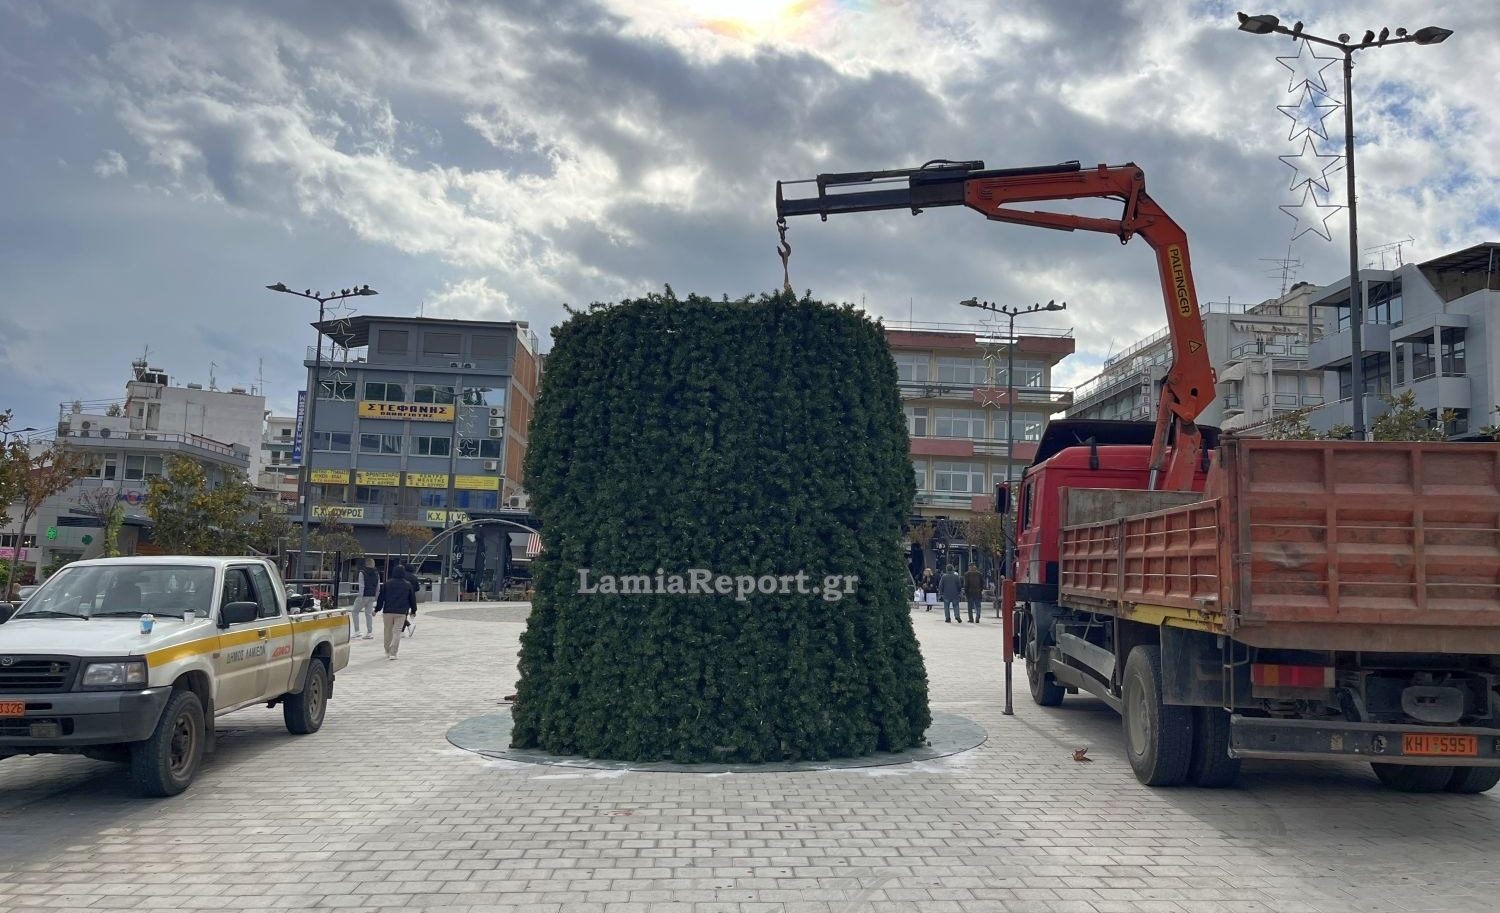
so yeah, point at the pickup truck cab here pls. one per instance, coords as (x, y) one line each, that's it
(83, 671)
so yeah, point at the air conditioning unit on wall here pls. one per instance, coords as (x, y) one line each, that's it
(491, 465)
(497, 412)
(497, 432)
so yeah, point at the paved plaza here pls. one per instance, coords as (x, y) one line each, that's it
(378, 812)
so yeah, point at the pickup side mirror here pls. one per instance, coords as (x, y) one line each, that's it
(1002, 498)
(238, 613)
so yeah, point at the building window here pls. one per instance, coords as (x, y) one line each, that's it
(919, 468)
(385, 392)
(109, 466)
(1460, 423)
(477, 500)
(1029, 373)
(964, 423)
(445, 344)
(912, 366)
(1400, 365)
(1423, 365)
(958, 478)
(330, 494)
(488, 449)
(431, 446)
(1384, 303)
(432, 497)
(481, 396)
(952, 370)
(1028, 428)
(331, 441)
(367, 494)
(488, 346)
(1453, 352)
(429, 393)
(286, 433)
(1377, 376)
(392, 342)
(8, 540)
(139, 467)
(380, 443)
(336, 389)
(916, 421)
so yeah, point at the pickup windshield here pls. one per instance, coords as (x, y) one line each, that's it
(123, 590)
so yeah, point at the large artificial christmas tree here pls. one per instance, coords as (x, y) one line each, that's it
(741, 438)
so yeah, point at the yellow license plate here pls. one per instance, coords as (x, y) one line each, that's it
(1463, 746)
(12, 708)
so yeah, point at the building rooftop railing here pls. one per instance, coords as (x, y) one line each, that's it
(1296, 349)
(189, 440)
(978, 329)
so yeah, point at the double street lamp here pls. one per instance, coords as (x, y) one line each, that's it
(1012, 312)
(312, 404)
(1266, 25)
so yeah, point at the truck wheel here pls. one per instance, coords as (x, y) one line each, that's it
(1471, 780)
(1158, 737)
(304, 712)
(164, 764)
(1045, 691)
(1211, 766)
(1413, 778)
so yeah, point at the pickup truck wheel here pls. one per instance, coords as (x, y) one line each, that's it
(304, 712)
(1045, 691)
(1158, 737)
(1211, 766)
(164, 764)
(1413, 778)
(1471, 780)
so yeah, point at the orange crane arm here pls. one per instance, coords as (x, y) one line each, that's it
(1176, 451)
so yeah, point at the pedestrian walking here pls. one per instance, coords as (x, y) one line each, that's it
(364, 603)
(929, 588)
(973, 591)
(950, 585)
(396, 603)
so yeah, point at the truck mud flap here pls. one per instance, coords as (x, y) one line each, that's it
(1321, 740)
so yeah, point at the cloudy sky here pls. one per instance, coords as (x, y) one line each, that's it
(162, 161)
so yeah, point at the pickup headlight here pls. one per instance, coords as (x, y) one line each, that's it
(114, 675)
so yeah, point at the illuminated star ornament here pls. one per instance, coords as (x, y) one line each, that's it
(1307, 68)
(1310, 215)
(1308, 114)
(1310, 166)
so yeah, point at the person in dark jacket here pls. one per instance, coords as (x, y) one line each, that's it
(950, 585)
(973, 591)
(397, 601)
(364, 603)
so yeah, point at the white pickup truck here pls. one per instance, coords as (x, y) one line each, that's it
(80, 673)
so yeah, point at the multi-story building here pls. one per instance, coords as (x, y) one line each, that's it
(235, 416)
(417, 419)
(955, 390)
(280, 470)
(1258, 352)
(1426, 329)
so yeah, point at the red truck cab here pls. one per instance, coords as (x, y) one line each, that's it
(1076, 453)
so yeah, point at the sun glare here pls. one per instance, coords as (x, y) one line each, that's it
(750, 18)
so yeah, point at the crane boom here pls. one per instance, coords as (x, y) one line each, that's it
(1176, 449)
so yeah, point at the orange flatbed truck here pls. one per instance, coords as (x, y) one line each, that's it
(1233, 599)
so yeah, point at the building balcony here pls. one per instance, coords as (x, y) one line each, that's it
(1232, 404)
(1341, 412)
(951, 500)
(1332, 351)
(985, 394)
(190, 445)
(1442, 392)
(1426, 326)
(1108, 385)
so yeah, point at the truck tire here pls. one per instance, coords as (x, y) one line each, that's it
(303, 712)
(1211, 766)
(1158, 737)
(1045, 691)
(1472, 780)
(164, 764)
(1413, 778)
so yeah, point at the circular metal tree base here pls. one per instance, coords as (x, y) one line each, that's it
(489, 736)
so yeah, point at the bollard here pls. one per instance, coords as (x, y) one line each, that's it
(1008, 631)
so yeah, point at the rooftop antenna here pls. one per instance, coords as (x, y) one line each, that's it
(260, 377)
(1392, 248)
(212, 384)
(1286, 267)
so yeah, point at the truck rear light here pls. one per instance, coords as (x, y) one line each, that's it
(1268, 675)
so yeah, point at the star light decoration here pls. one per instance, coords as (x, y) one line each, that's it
(1309, 166)
(338, 322)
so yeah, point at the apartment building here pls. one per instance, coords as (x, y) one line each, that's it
(1259, 354)
(235, 416)
(281, 464)
(418, 419)
(956, 389)
(1425, 329)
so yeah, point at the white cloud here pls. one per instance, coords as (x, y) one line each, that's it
(110, 164)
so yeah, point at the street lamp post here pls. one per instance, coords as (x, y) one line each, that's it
(17, 432)
(1266, 25)
(312, 405)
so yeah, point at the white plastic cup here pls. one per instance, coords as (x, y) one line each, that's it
(147, 623)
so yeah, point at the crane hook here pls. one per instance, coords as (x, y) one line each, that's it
(784, 250)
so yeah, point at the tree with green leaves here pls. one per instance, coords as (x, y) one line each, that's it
(335, 537)
(32, 476)
(191, 517)
(752, 438)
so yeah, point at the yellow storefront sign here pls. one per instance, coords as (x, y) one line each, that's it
(330, 476)
(370, 477)
(338, 511)
(442, 516)
(415, 412)
(426, 480)
(477, 483)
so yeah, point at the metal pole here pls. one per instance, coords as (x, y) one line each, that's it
(1356, 288)
(307, 445)
(451, 493)
(1006, 523)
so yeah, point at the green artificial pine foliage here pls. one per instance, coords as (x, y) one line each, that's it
(764, 437)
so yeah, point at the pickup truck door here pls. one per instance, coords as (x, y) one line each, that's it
(240, 664)
(279, 640)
